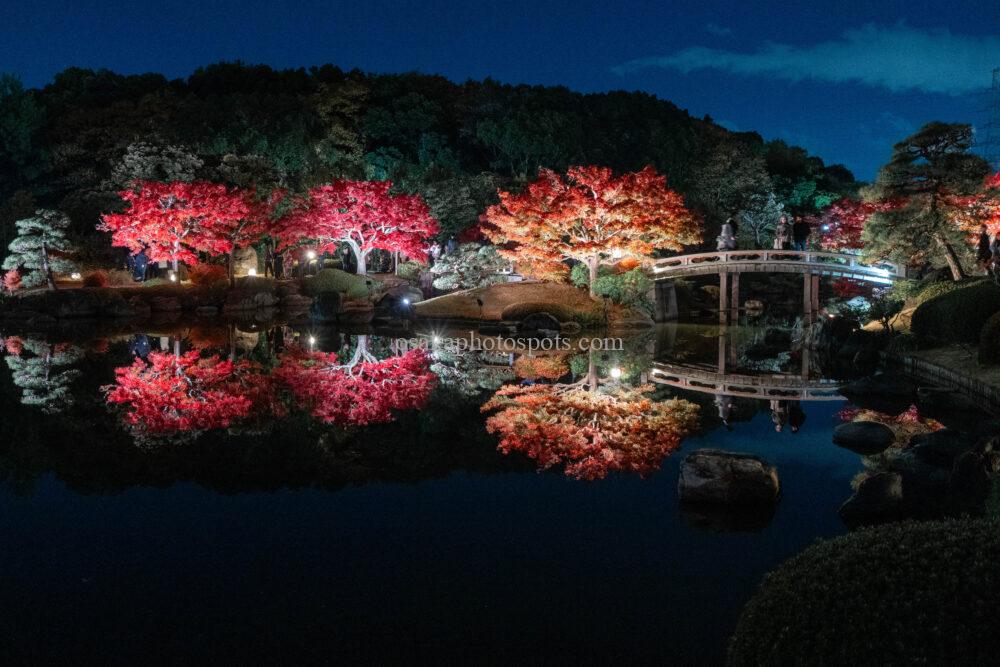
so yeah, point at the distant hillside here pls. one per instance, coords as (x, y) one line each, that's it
(73, 143)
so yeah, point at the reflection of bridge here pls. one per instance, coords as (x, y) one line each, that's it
(716, 379)
(812, 265)
(784, 387)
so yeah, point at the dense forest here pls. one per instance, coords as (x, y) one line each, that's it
(74, 143)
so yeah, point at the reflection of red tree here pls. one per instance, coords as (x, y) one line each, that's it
(591, 433)
(14, 345)
(548, 367)
(365, 391)
(174, 393)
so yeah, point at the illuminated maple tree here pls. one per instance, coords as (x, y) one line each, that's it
(362, 214)
(177, 393)
(590, 433)
(364, 390)
(843, 221)
(175, 221)
(589, 216)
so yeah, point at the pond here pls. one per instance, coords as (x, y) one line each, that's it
(282, 504)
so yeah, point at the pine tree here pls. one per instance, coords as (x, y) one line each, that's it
(40, 249)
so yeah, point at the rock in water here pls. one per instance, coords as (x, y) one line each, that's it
(325, 308)
(878, 498)
(865, 438)
(713, 476)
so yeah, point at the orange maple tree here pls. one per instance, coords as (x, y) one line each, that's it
(590, 432)
(588, 216)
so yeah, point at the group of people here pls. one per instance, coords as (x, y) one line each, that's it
(787, 236)
(783, 413)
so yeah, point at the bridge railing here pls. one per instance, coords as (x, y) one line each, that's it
(822, 261)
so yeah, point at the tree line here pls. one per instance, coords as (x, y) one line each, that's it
(75, 143)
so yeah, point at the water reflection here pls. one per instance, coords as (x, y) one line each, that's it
(586, 413)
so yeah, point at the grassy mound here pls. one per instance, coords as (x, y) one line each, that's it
(335, 280)
(513, 301)
(914, 592)
(957, 315)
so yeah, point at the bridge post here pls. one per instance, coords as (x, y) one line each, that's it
(810, 296)
(723, 298)
(734, 299)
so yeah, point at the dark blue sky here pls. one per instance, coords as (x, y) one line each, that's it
(844, 79)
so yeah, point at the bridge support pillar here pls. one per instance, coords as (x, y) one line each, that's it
(723, 298)
(810, 296)
(734, 299)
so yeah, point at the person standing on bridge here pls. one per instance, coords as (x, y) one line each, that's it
(783, 234)
(800, 234)
(727, 237)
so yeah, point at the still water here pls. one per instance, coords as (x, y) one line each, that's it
(301, 524)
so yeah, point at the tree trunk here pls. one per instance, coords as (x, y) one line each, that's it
(232, 267)
(177, 247)
(592, 264)
(46, 268)
(362, 262)
(957, 272)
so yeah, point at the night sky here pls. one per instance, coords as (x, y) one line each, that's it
(844, 79)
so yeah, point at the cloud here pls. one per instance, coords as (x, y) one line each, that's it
(718, 30)
(899, 58)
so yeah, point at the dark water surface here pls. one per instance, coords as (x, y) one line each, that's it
(414, 540)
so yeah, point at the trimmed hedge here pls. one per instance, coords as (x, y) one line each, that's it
(906, 593)
(989, 341)
(957, 315)
(335, 280)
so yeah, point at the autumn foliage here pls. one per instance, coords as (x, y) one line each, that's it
(551, 367)
(841, 224)
(367, 392)
(589, 215)
(12, 280)
(175, 221)
(590, 433)
(363, 214)
(179, 393)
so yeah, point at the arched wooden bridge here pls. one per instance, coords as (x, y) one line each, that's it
(729, 264)
(783, 387)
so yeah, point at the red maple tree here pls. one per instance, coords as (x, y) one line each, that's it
(362, 391)
(362, 214)
(175, 221)
(186, 393)
(589, 216)
(842, 223)
(591, 433)
(980, 209)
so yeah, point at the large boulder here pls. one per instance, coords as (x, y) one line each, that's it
(325, 308)
(879, 498)
(973, 475)
(865, 438)
(716, 477)
(940, 448)
(889, 393)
